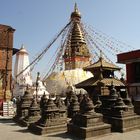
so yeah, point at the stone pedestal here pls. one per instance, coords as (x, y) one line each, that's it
(50, 121)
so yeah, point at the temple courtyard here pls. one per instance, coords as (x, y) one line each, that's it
(11, 131)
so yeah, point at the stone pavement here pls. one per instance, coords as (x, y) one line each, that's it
(11, 131)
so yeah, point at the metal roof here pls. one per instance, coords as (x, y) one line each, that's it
(102, 63)
(94, 82)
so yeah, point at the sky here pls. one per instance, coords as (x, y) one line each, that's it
(38, 21)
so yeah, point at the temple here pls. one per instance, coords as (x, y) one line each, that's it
(103, 72)
(83, 100)
(24, 79)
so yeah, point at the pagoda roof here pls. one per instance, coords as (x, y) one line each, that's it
(102, 63)
(94, 82)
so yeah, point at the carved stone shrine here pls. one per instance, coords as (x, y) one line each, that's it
(23, 106)
(121, 116)
(33, 114)
(88, 123)
(50, 121)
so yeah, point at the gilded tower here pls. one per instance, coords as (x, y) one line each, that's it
(76, 54)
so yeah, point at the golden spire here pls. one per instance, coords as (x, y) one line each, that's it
(77, 34)
(77, 48)
(76, 14)
(76, 8)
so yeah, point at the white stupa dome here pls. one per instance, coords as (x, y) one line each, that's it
(57, 83)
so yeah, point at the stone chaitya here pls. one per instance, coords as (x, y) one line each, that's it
(121, 114)
(51, 121)
(62, 108)
(43, 102)
(98, 104)
(23, 106)
(87, 123)
(33, 114)
(73, 108)
(108, 100)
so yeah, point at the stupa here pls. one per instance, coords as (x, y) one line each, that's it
(52, 119)
(33, 114)
(39, 89)
(23, 106)
(119, 112)
(76, 56)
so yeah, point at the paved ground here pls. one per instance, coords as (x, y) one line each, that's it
(11, 131)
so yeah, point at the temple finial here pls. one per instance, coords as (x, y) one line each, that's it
(22, 46)
(75, 7)
(75, 14)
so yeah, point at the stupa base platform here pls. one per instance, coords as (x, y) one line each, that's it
(40, 130)
(123, 124)
(26, 122)
(87, 132)
(88, 125)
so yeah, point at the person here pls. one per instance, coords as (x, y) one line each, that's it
(14, 100)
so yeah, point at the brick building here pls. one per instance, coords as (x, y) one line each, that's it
(6, 52)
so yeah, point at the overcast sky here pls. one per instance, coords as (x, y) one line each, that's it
(37, 21)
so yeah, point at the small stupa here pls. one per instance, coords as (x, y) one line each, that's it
(23, 106)
(87, 123)
(33, 114)
(121, 114)
(52, 120)
(39, 89)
